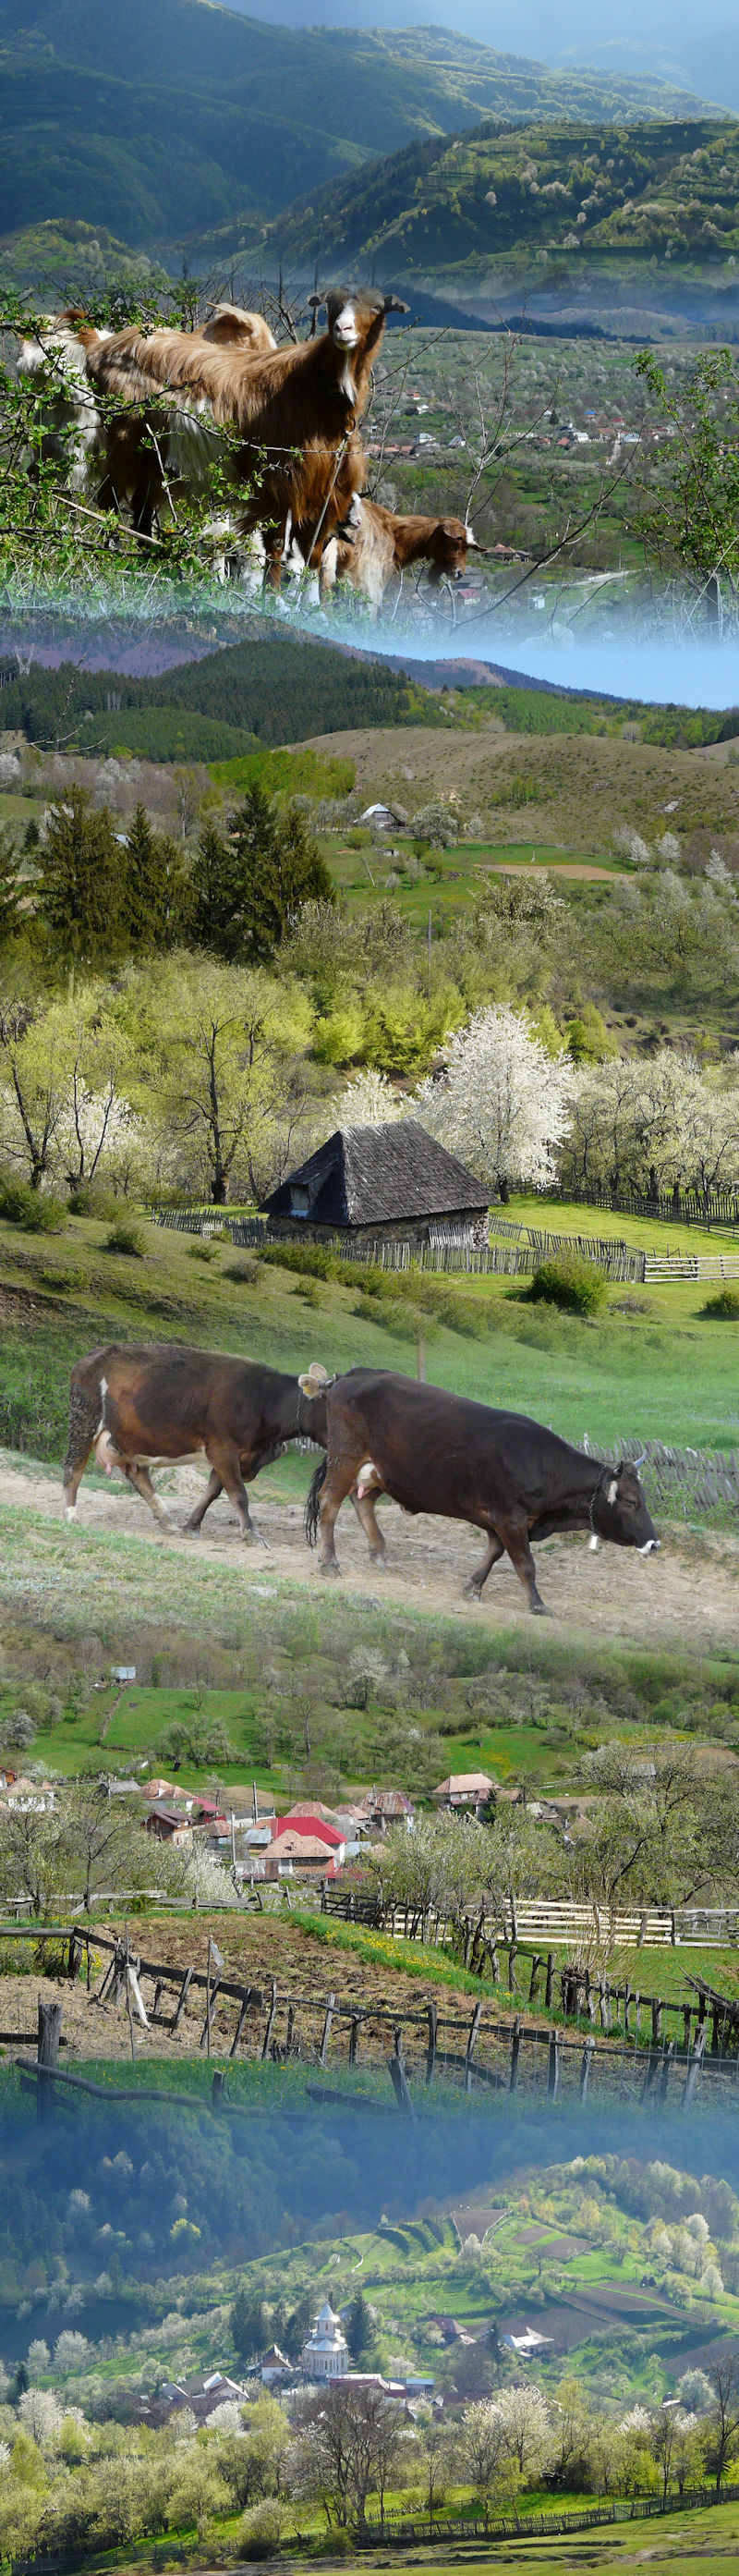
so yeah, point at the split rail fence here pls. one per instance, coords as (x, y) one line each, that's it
(479, 2050)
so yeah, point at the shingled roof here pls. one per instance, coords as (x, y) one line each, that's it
(377, 1176)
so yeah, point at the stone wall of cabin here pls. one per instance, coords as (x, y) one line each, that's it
(471, 1229)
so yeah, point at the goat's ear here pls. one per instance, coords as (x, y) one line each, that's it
(393, 304)
(315, 302)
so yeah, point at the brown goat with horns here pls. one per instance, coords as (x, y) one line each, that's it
(295, 460)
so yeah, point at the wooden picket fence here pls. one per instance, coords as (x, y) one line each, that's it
(541, 1918)
(512, 1251)
(691, 1207)
(402, 2530)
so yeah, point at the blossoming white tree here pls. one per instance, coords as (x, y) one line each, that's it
(503, 1105)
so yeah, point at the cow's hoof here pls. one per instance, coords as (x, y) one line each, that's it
(539, 1610)
(192, 1529)
(70, 1512)
(379, 1564)
(333, 1568)
(472, 1592)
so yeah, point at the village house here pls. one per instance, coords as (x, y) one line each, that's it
(308, 1853)
(29, 1797)
(470, 1791)
(274, 2367)
(387, 1807)
(168, 1825)
(391, 1184)
(202, 2394)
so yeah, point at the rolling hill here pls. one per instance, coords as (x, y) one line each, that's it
(542, 201)
(173, 117)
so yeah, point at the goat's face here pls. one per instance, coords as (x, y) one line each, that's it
(342, 321)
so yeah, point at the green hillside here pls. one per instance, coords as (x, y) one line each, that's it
(540, 200)
(171, 117)
(274, 691)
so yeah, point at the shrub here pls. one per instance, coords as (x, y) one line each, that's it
(201, 1251)
(723, 1309)
(572, 1282)
(37, 1211)
(245, 1273)
(69, 1282)
(96, 1202)
(125, 1236)
(308, 1290)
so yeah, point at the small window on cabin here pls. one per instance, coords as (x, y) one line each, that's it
(299, 1199)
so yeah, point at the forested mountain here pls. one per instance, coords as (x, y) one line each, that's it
(543, 198)
(274, 691)
(169, 117)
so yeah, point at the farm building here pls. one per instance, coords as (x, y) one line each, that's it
(392, 1184)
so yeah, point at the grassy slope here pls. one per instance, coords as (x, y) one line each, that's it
(661, 1373)
(586, 785)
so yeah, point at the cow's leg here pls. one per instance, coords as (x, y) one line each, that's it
(337, 1484)
(480, 1574)
(137, 1474)
(223, 1458)
(84, 1418)
(212, 1491)
(366, 1515)
(517, 1547)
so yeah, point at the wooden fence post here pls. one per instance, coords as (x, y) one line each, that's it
(515, 2054)
(585, 2066)
(553, 2068)
(398, 2078)
(323, 2050)
(550, 1980)
(431, 2049)
(471, 2039)
(694, 2067)
(49, 2027)
(271, 2021)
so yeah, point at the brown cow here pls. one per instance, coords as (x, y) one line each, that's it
(435, 1452)
(138, 1405)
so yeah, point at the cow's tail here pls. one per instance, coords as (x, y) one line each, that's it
(313, 1503)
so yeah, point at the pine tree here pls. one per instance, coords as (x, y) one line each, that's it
(81, 883)
(360, 2332)
(209, 899)
(153, 886)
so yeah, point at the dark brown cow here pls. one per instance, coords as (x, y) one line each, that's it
(136, 1405)
(434, 1452)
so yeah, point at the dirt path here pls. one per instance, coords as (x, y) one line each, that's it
(687, 1596)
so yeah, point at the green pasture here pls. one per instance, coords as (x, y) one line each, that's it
(704, 2542)
(650, 1366)
(451, 877)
